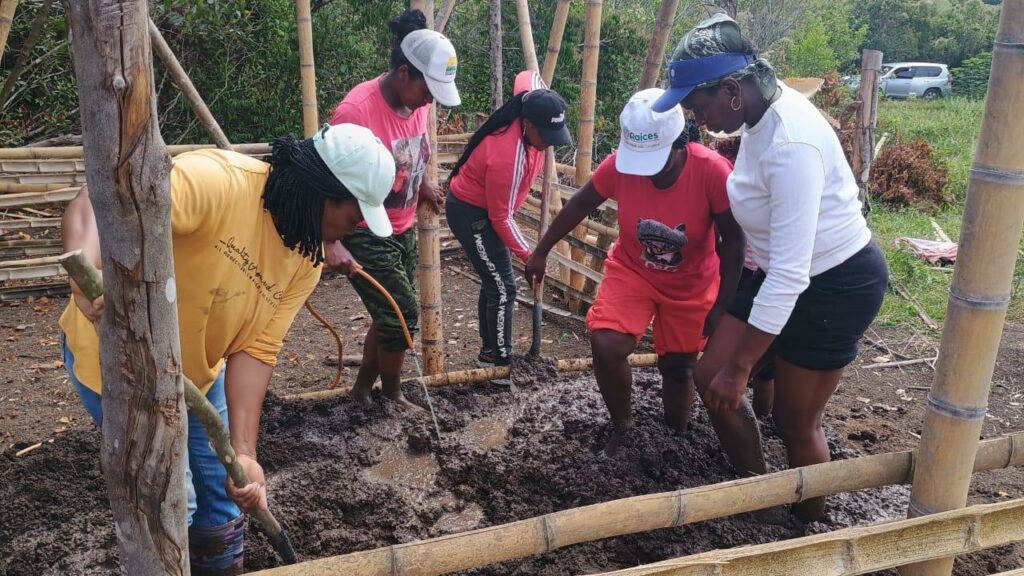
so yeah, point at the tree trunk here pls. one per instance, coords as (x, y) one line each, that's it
(443, 14)
(127, 168)
(497, 72)
(655, 60)
(979, 294)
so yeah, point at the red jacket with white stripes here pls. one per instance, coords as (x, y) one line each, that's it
(498, 175)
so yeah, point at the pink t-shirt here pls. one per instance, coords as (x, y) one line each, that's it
(406, 138)
(668, 236)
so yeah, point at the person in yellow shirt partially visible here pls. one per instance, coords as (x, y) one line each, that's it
(247, 239)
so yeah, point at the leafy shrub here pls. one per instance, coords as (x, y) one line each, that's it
(971, 79)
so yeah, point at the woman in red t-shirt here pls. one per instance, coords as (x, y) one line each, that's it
(672, 205)
(394, 107)
(488, 184)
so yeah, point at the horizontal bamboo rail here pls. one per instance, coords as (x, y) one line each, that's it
(75, 152)
(14, 188)
(33, 198)
(28, 252)
(481, 375)
(533, 219)
(1019, 572)
(540, 534)
(556, 282)
(28, 224)
(30, 272)
(858, 550)
(41, 166)
(587, 223)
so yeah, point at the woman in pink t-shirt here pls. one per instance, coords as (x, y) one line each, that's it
(394, 107)
(672, 205)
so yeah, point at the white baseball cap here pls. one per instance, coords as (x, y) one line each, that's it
(647, 136)
(434, 56)
(363, 165)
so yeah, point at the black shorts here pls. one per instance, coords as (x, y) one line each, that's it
(831, 315)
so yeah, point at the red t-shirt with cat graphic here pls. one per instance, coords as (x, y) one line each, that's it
(668, 236)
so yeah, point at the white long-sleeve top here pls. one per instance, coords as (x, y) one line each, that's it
(793, 193)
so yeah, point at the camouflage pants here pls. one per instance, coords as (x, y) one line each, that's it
(392, 262)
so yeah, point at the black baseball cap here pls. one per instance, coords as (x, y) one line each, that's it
(546, 109)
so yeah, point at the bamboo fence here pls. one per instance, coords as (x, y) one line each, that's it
(540, 534)
(75, 152)
(857, 550)
(980, 291)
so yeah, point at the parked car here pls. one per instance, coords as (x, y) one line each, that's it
(917, 79)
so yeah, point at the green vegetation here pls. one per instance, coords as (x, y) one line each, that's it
(952, 127)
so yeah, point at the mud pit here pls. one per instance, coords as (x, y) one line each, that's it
(344, 479)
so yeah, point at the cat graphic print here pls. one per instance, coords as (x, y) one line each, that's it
(411, 155)
(662, 246)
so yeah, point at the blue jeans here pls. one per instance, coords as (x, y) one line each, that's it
(208, 502)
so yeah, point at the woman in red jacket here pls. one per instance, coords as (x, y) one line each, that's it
(488, 184)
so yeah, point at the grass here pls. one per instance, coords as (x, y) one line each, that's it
(951, 126)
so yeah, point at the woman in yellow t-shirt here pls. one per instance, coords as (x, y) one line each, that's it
(247, 241)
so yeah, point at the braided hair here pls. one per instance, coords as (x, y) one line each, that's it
(297, 187)
(499, 121)
(401, 26)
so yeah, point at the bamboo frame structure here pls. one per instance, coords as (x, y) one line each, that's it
(655, 59)
(307, 68)
(540, 534)
(980, 291)
(428, 226)
(585, 139)
(480, 375)
(857, 550)
(7, 9)
(184, 83)
(75, 152)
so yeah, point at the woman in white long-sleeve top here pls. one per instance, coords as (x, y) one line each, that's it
(821, 278)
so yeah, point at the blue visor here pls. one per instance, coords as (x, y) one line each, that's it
(686, 75)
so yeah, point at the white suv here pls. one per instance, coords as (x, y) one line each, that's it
(918, 79)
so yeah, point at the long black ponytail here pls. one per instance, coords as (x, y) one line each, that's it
(401, 26)
(500, 120)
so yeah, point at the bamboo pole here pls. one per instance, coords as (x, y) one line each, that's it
(28, 224)
(548, 75)
(497, 65)
(980, 292)
(526, 35)
(867, 119)
(540, 534)
(655, 60)
(857, 550)
(41, 166)
(7, 8)
(30, 272)
(184, 83)
(1019, 572)
(588, 101)
(428, 225)
(33, 198)
(75, 152)
(9, 188)
(481, 375)
(307, 69)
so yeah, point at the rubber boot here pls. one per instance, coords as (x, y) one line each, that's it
(217, 551)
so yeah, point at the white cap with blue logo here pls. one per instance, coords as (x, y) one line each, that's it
(647, 136)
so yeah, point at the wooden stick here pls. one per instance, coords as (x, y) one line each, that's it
(867, 119)
(75, 152)
(310, 112)
(899, 363)
(939, 232)
(979, 294)
(7, 8)
(184, 83)
(585, 139)
(881, 144)
(858, 550)
(25, 451)
(921, 312)
(655, 60)
(478, 548)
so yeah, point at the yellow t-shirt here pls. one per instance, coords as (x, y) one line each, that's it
(238, 286)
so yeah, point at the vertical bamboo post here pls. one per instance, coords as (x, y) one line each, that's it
(497, 67)
(548, 75)
(655, 60)
(443, 14)
(428, 225)
(526, 36)
(980, 292)
(184, 83)
(585, 140)
(7, 8)
(128, 166)
(867, 119)
(310, 113)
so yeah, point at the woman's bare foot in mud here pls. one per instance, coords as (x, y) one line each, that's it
(679, 423)
(361, 394)
(619, 439)
(404, 404)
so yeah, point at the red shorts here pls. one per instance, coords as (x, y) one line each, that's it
(627, 303)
